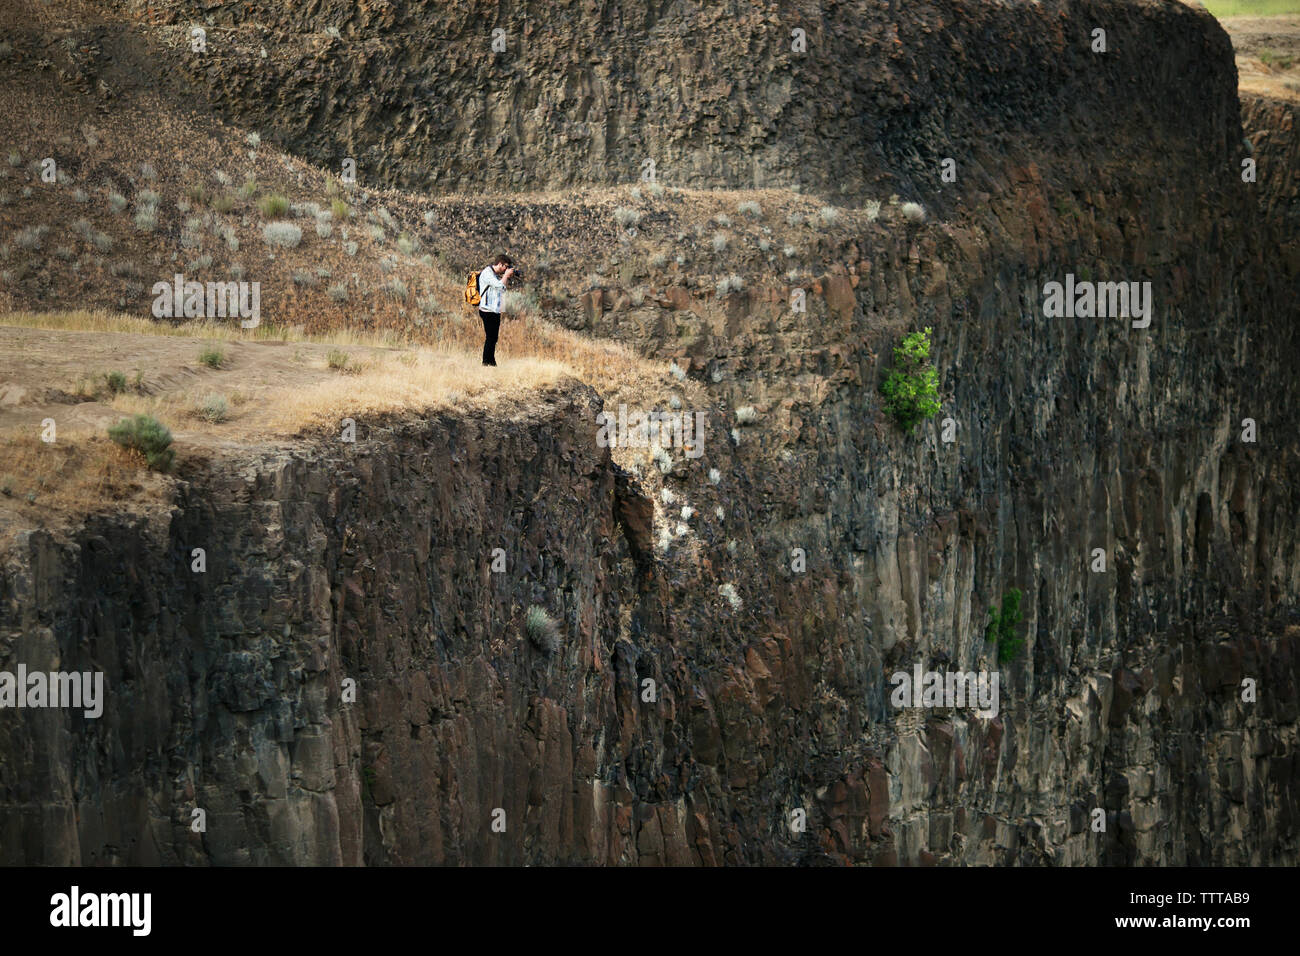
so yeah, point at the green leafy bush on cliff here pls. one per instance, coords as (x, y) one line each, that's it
(147, 435)
(1002, 627)
(912, 388)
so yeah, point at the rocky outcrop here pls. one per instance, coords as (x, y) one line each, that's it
(1275, 148)
(847, 98)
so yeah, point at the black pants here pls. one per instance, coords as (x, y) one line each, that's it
(491, 326)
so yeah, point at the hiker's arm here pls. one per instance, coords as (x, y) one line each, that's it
(494, 280)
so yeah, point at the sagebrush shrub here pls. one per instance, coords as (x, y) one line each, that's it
(213, 408)
(147, 435)
(282, 234)
(663, 460)
(31, 237)
(342, 362)
(541, 629)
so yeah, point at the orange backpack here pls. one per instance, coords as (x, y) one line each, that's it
(471, 289)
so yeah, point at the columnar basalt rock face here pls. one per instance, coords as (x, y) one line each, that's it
(1275, 148)
(836, 96)
(373, 562)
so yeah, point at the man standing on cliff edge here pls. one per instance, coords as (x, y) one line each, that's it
(491, 286)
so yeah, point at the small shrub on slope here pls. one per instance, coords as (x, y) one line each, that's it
(1002, 627)
(911, 389)
(147, 435)
(541, 630)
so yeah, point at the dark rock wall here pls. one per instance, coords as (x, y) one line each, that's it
(713, 93)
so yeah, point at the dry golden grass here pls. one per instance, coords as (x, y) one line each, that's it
(79, 473)
(384, 374)
(181, 406)
(390, 385)
(104, 320)
(603, 364)
(447, 376)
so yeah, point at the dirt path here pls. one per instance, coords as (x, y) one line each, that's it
(1268, 54)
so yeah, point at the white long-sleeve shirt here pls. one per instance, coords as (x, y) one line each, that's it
(491, 286)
